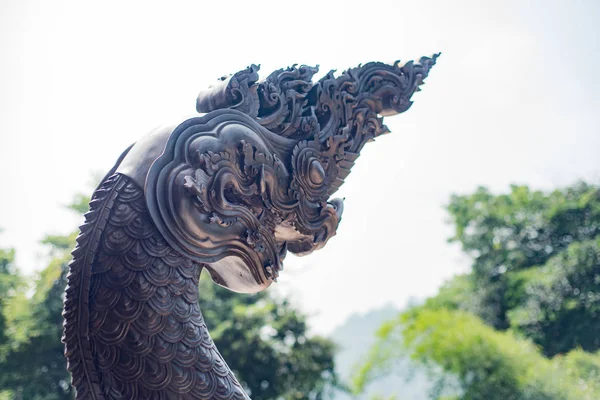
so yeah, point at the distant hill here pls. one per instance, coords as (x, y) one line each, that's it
(354, 338)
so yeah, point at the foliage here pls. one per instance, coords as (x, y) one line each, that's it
(455, 293)
(536, 266)
(9, 282)
(265, 340)
(516, 231)
(381, 357)
(533, 293)
(487, 363)
(558, 304)
(35, 367)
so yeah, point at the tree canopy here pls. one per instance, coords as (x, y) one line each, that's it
(524, 323)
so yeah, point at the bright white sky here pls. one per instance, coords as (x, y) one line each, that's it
(513, 99)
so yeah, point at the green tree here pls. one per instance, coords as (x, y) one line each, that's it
(557, 305)
(516, 231)
(488, 364)
(265, 342)
(523, 324)
(34, 366)
(10, 283)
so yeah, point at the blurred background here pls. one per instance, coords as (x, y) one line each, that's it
(467, 265)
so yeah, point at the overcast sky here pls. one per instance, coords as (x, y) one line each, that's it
(514, 98)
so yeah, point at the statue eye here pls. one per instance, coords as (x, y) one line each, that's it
(316, 172)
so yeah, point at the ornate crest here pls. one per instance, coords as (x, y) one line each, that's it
(231, 191)
(252, 179)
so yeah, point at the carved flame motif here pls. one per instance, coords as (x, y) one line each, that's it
(225, 189)
(258, 170)
(340, 114)
(303, 138)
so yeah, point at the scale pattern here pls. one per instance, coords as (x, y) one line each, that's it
(145, 337)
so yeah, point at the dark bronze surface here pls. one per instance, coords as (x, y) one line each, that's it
(230, 191)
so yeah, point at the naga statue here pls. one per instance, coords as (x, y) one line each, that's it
(230, 191)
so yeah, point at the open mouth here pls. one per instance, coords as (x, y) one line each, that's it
(301, 241)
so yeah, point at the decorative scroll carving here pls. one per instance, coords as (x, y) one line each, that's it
(340, 113)
(222, 188)
(230, 191)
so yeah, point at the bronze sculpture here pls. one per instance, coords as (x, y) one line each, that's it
(230, 191)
